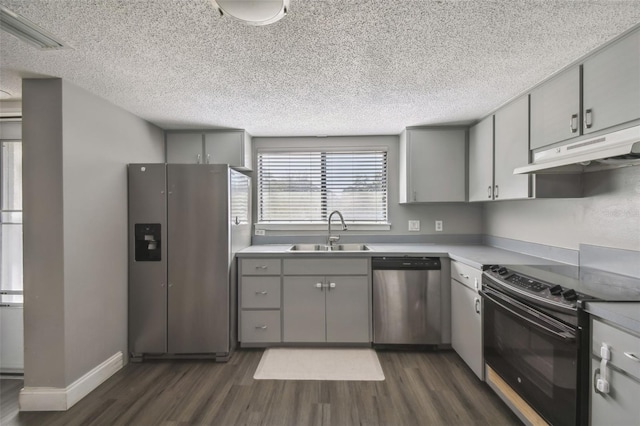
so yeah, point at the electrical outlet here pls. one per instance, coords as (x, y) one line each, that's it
(414, 225)
(438, 226)
(260, 232)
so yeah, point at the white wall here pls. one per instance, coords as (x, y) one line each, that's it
(75, 181)
(608, 215)
(459, 218)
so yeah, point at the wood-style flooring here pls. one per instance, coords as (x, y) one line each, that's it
(421, 388)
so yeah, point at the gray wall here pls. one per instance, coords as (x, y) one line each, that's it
(608, 214)
(75, 220)
(459, 218)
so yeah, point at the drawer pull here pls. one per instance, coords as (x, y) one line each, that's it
(466, 277)
(261, 267)
(476, 305)
(261, 292)
(261, 327)
(632, 356)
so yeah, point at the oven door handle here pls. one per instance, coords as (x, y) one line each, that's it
(566, 336)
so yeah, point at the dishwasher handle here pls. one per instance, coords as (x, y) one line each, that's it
(406, 263)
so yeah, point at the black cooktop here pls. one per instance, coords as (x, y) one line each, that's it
(575, 283)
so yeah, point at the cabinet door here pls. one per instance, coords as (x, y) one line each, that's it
(184, 148)
(224, 148)
(481, 161)
(303, 309)
(620, 406)
(611, 85)
(511, 150)
(555, 109)
(466, 326)
(348, 309)
(436, 159)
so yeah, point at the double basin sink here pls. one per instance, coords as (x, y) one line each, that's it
(306, 248)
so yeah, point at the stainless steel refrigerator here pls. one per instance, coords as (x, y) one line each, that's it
(186, 221)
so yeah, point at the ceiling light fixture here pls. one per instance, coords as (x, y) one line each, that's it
(253, 12)
(27, 31)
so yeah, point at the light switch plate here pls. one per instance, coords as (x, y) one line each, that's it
(414, 225)
(438, 226)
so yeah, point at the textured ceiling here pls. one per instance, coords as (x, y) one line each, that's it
(330, 67)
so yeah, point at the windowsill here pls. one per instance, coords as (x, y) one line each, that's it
(322, 226)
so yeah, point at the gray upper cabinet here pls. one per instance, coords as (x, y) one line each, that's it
(609, 91)
(511, 150)
(555, 109)
(184, 148)
(231, 147)
(497, 145)
(481, 160)
(611, 85)
(432, 165)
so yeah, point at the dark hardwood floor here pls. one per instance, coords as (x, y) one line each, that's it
(421, 388)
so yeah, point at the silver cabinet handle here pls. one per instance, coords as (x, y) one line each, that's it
(261, 327)
(415, 195)
(489, 192)
(573, 123)
(588, 118)
(466, 277)
(475, 284)
(632, 356)
(199, 159)
(262, 292)
(263, 267)
(208, 158)
(497, 191)
(476, 305)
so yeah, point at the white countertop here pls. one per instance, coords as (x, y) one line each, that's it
(472, 255)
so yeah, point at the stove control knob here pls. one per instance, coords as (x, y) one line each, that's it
(570, 295)
(503, 271)
(494, 268)
(556, 290)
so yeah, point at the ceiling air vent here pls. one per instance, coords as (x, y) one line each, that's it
(29, 32)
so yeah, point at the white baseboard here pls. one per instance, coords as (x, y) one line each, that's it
(61, 399)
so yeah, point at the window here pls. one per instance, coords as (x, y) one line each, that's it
(306, 186)
(11, 222)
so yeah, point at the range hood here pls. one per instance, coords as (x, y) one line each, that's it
(617, 149)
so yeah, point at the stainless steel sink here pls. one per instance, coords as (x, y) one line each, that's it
(324, 247)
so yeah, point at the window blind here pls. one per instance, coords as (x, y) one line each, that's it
(306, 186)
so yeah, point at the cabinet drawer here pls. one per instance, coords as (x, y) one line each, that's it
(260, 326)
(465, 274)
(326, 266)
(260, 292)
(620, 342)
(260, 266)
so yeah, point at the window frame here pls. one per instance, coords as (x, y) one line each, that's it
(320, 225)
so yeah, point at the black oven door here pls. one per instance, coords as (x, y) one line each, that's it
(535, 354)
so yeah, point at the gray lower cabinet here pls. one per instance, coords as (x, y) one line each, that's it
(317, 307)
(617, 405)
(466, 316)
(259, 301)
(326, 309)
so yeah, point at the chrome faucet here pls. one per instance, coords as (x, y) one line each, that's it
(332, 238)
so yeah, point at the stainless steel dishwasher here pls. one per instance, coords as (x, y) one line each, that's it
(407, 300)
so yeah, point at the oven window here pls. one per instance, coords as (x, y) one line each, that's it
(541, 367)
